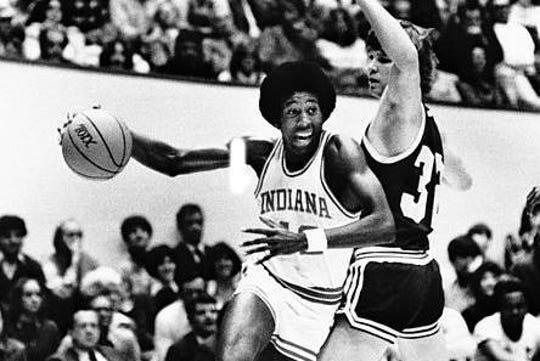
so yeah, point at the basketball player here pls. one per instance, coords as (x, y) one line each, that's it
(394, 291)
(317, 198)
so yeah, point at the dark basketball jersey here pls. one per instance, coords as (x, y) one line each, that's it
(410, 181)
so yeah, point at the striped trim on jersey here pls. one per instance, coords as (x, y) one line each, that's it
(292, 350)
(265, 168)
(322, 143)
(392, 255)
(327, 296)
(375, 154)
(419, 332)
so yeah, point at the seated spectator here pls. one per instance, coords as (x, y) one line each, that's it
(165, 290)
(465, 31)
(217, 54)
(171, 322)
(516, 251)
(529, 273)
(12, 35)
(245, 66)
(200, 343)
(226, 266)
(14, 264)
(27, 321)
(293, 39)
(462, 251)
(86, 15)
(45, 14)
(511, 333)
(52, 44)
(481, 234)
(191, 253)
(188, 57)
(85, 336)
(483, 282)
(210, 17)
(120, 54)
(136, 233)
(526, 13)
(243, 17)
(10, 348)
(158, 43)
(267, 13)
(477, 85)
(518, 60)
(64, 270)
(460, 344)
(132, 18)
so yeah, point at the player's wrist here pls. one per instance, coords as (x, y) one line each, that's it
(316, 240)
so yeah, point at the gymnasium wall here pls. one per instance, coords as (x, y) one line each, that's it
(500, 148)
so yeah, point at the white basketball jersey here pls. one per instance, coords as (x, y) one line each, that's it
(298, 201)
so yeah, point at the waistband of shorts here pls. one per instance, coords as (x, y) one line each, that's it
(328, 296)
(392, 255)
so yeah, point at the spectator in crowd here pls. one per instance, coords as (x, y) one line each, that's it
(526, 13)
(462, 251)
(464, 32)
(52, 43)
(191, 253)
(340, 44)
(243, 18)
(518, 58)
(138, 311)
(511, 333)
(245, 66)
(12, 35)
(477, 85)
(226, 266)
(483, 282)
(529, 273)
(165, 290)
(267, 13)
(460, 344)
(210, 17)
(188, 57)
(14, 264)
(200, 343)
(136, 233)
(64, 270)
(103, 306)
(10, 348)
(158, 43)
(516, 251)
(171, 322)
(85, 337)
(86, 15)
(481, 234)
(132, 18)
(28, 322)
(293, 39)
(217, 54)
(120, 54)
(45, 16)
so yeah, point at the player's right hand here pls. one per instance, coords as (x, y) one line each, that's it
(533, 199)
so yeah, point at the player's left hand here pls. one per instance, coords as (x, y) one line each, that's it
(276, 241)
(533, 199)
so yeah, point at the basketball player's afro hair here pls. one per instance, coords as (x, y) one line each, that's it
(292, 77)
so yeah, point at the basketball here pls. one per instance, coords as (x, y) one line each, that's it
(95, 144)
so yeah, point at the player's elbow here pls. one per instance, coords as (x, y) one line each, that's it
(386, 227)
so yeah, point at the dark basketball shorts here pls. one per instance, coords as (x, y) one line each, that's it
(393, 293)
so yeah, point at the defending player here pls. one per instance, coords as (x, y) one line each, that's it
(313, 187)
(394, 292)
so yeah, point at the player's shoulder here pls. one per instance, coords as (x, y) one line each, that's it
(340, 144)
(343, 152)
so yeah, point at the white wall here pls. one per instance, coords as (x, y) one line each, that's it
(500, 148)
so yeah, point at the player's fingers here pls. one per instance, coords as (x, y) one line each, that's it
(254, 242)
(265, 231)
(255, 250)
(269, 254)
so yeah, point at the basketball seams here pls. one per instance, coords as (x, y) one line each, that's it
(87, 175)
(123, 139)
(104, 142)
(87, 158)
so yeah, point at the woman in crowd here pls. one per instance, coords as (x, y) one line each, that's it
(245, 65)
(226, 267)
(27, 321)
(483, 282)
(162, 268)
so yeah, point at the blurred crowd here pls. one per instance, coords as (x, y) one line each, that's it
(489, 50)
(164, 302)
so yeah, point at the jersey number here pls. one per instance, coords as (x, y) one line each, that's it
(416, 206)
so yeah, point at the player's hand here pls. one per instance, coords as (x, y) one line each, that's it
(62, 127)
(276, 242)
(533, 199)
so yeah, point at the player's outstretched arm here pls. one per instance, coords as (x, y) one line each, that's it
(172, 161)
